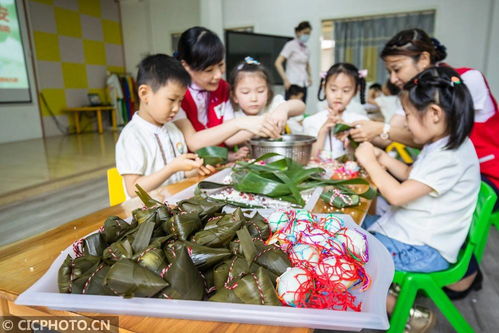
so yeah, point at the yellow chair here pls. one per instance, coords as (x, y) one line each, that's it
(400, 149)
(115, 187)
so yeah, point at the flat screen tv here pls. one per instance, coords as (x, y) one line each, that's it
(264, 48)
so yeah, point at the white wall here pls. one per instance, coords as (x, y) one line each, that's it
(461, 25)
(468, 28)
(148, 25)
(21, 121)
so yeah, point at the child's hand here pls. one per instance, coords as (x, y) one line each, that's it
(331, 121)
(365, 153)
(186, 162)
(242, 152)
(205, 170)
(279, 116)
(261, 126)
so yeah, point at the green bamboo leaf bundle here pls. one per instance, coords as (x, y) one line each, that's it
(185, 281)
(205, 207)
(117, 251)
(253, 288)
(127, 278)
(92, 282)
(114, 228)
(183, 225)
(213, 155)
(221, 234)
(72, 269)
(203, 257)
(94, 244)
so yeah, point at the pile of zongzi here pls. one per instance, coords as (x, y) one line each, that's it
(191, 251)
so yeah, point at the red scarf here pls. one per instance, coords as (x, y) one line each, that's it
(216, 99)
(485, 137)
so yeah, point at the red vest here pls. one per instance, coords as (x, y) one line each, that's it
(485, 137)
(216, 101)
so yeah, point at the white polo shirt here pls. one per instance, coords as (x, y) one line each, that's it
(144, 148)
(297, 57)
(442, 218)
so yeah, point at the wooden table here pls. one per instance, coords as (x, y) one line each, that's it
(24, 262)
(98, 110)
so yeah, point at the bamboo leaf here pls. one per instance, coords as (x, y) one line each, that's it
(143, 236)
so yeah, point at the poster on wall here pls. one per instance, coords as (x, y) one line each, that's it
(14, 84)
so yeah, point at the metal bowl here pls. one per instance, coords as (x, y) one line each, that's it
(296, 147)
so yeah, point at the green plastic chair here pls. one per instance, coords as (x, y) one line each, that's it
(495, 219)
(432, 283)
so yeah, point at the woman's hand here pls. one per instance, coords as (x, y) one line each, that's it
(287, 84)
(366, 130)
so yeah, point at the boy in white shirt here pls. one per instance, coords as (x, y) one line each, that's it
(151, 151)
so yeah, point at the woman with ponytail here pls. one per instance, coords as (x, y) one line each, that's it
(410, 52)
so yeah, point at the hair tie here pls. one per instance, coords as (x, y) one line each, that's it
(323, 75)
(363, 73)
(415, 81)
(250, 61)
(454, 81)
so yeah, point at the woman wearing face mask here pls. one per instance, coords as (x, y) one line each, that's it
(297, 57)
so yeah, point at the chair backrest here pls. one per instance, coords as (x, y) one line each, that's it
(479, 230)
(401, 151)
(115, 187)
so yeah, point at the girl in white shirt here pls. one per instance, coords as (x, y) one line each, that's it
(251, 95)
(434, 199)
(341, 84)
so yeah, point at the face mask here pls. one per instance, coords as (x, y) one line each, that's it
(304, 38)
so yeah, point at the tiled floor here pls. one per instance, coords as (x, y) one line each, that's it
(36, 162)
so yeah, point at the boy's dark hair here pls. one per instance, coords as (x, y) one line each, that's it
(158, 69)
(444, 87)
(295, 90)
(200, 48)
(413, 42)
(302, 26)
(347, 69)
(250, 68)
(375, 86)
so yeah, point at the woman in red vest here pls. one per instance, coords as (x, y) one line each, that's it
(206, 117)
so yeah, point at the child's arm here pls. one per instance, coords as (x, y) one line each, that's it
(395, 193)
(286, 110)
(219, 134)
(398, 169)
(185, 162)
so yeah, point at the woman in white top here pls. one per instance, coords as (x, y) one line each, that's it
(297, 57)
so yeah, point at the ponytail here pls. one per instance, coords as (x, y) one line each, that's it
(444, 87)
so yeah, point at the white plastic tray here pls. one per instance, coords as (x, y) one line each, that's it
(373, 315)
